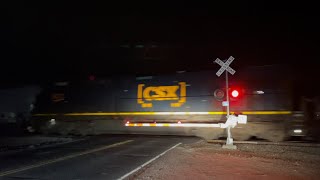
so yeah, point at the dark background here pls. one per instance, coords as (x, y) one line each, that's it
(50, 41)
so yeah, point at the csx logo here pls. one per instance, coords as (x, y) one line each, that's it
(57, 97)
(161, 93)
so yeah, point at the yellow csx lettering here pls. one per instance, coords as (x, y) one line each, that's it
(161, 93)
(57, 97)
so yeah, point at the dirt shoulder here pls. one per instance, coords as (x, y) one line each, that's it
(209, 161)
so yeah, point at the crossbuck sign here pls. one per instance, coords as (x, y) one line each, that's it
(225, 66)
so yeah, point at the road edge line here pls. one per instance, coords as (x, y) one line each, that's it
(148, 162)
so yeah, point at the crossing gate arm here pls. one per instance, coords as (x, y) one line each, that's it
(231, 121)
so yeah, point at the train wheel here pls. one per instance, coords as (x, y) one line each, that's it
(243, 137)
(208, 133)
(276, 136)
(65, 132)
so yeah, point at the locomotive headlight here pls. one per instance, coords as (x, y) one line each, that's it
(297, 131)
(258, 92)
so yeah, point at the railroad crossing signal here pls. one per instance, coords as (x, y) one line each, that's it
(225, 66)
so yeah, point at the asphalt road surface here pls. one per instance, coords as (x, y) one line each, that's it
(96, 157)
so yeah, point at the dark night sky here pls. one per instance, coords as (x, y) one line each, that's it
(54, 41)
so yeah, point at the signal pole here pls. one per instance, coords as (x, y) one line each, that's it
(229, 139)
(227, 92)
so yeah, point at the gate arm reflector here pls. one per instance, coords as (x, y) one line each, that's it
(231, 121)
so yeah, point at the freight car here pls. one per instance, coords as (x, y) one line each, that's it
(104, 105)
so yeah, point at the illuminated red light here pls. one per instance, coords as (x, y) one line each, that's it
(235, 93)
(92, 77)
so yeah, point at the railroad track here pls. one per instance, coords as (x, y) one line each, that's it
(287, 143)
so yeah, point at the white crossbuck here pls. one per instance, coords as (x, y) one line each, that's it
(225, 66)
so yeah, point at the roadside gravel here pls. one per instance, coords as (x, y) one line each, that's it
(203, 160)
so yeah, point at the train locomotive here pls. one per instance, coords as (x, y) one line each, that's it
(103, 105)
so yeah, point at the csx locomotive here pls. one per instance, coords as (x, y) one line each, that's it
(104, 105)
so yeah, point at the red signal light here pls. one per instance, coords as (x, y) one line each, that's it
(92, 77)
(235, 93)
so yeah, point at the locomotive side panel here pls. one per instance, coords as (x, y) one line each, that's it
(103, 106)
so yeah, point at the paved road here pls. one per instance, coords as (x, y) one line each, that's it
(97, 157)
